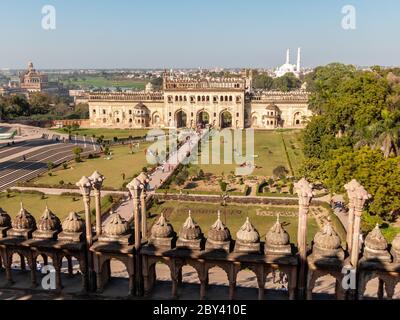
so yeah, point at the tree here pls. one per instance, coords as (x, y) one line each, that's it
(77, 152)
(263, 81)
(286, 83)
(280, 172)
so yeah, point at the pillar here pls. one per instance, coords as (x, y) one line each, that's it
(143, 207)
(135, 187)
(350, 187)
(360, 196)
(97, 180)
(305, 192)
(85, 187)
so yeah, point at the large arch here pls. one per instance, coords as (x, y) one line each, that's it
(298, 119)
(225, 119)
(203, 118)
(156, 119)
(181, 119)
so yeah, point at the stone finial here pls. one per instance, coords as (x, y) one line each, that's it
(143, 178)
(190, 229)
(97, 180)
(304, 190)
(116, 226)
(396, 248)
(5, 219)
(327, 245)
(84, 186)
(162, 234)
(134, 186)
(248, 233)
(49, 221)
(219, 232)
(277, 240)
(376, 246)
(23, 220)
(73, 223)
(351, 187)
(162, 229)
(248, 239)
(357, 195)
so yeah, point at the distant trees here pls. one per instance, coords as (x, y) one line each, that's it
(288, 82)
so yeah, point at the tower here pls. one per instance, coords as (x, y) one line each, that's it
(288, 56)
(298, 60)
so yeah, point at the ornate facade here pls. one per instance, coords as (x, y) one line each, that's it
(221, 103)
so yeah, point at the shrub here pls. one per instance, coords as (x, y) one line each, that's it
(65, 166)
(280, 171)
(50, 174)
(50, 165)
(61, 182)
(223, 185)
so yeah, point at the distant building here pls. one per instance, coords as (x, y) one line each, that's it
(288, 67)
(189, 103)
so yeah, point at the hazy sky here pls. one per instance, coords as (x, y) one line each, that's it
(196, 33)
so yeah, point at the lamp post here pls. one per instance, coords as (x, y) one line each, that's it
(144, 180)
(97, 180)
(305, 192)
(350, 188)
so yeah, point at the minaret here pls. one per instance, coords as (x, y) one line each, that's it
(298, 59)
(288, 56)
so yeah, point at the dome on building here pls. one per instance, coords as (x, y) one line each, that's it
(116, 226)
(277, 236)
(327, 238)
(190, 230)
(219, 232)
(141, 109)
(247, 233)
(49, 221)
(23, 220)
(375, 240)
(162, 229)
(272, 107)
(73, 224)
(5, 219)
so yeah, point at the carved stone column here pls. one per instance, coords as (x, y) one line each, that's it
(350, 188)
(85, 188)
(135, 188)
(97, 180)
(360, 196)
(305, 192)
(144, 179)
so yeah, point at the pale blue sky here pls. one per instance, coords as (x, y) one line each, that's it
(196, 33)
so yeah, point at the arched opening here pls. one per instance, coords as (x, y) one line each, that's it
(115, 278)
(324, 288)
(218, 284)
(163, 282)
(181, 119)
(189, 288)
(226, 120)
(156, 119)
(71, 275)
(254, 121)
(376, 289)
(203, 119)
(397, 292)
(297, 119)
(276, 286)
(246, 285)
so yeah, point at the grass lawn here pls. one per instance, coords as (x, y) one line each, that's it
(269, 148)
(177, 213)
(101, 82)
(122, 162)
(108, 133)
(34, 204)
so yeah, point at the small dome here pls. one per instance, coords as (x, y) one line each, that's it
(277, 236)
(375, 240)
(219, 232)
(327, 238)
(116, 226)
(190, 230)
(247, 233)
(272, 107)
(23, 220)
(49, 221)
(396, 243)
(162, 229)
(73, 224)
(5, 220)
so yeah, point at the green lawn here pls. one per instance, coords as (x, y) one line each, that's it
(122, 162)
(177, 213)
(101, 82)
(269, 151)
(35, 205)
(108, 133)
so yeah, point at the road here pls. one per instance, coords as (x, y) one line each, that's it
(27, 160)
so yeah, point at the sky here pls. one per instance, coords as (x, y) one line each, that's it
(197, 33)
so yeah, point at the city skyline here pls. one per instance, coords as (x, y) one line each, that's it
(206, 34)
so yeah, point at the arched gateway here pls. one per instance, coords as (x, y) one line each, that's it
(203, 118)
(181, 119)
(226, 120)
